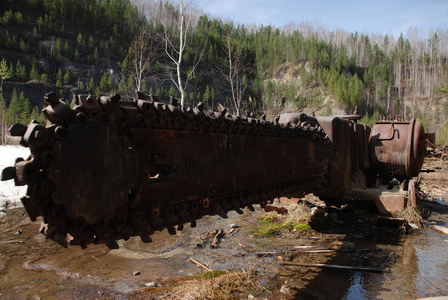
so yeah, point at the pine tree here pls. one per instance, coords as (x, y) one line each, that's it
(110, 83)
(20, 71)
(80, 40)
(44, 78)
(25, 108)
(34, 75)
(96, 55)
(11, 70)
(91, 84)
(103, 82)
(59, 78)
(4, 74)
(14, 108)
(58, 45)
(67, 77)
(37, 115)
(172, 91)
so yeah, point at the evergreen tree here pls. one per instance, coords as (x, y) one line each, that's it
(103, 83)
(37, 115)
(11, 70)
(91, 84)
(25, 108)
(20, 71)
(172, 91)
(34, 75)
(58, 45)
(67, 77)
(96, 55)
(59, 78)
(80, 40)
(14, 108)
(44, 78)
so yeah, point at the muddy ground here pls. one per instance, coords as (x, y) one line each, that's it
(245, 265)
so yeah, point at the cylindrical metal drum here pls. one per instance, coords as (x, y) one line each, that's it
(397, 148)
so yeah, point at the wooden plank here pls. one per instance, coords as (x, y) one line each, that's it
(352, 268)
(440, 229)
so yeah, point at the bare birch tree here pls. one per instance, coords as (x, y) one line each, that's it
(177, 24)
(142, 55)
(234, 69)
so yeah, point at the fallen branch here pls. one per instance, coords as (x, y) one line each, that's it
(204, 237)
(97, 260)
(313, 251)
(354, 268)
(233, 231)
(217, 239)
(244, 248)
(310, 247)
(440, 229)
(11, 242)
(199, 265)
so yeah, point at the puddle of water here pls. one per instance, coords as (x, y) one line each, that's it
(421, 270)
(432, 264)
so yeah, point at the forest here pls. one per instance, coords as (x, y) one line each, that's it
(173, 48)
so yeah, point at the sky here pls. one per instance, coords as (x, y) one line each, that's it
(378, 17)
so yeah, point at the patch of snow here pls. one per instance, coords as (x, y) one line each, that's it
(8, 191)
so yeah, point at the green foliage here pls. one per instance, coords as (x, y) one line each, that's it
(37, 115)
(44, 78)
(104, 82)
(271, 224)
(59, 77)
(91, 84)
(172, 91)
(5, 73)
(67, 77)
(442, 135)
(19, 108)
(80, 40)
(370, 120)
(34, 75)
(21, 73)
(58, 45)
(96, 55)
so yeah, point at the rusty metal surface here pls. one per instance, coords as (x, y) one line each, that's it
(102, 169)
(398, 148)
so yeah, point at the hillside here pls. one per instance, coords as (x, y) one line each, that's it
(90, 45)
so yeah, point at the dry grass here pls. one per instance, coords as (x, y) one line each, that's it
(412, 216)
(218, 285)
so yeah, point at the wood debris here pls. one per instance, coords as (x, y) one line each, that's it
(354, 268)
(217, 239)
(205, 236)
(199, 265)
(439, 229)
